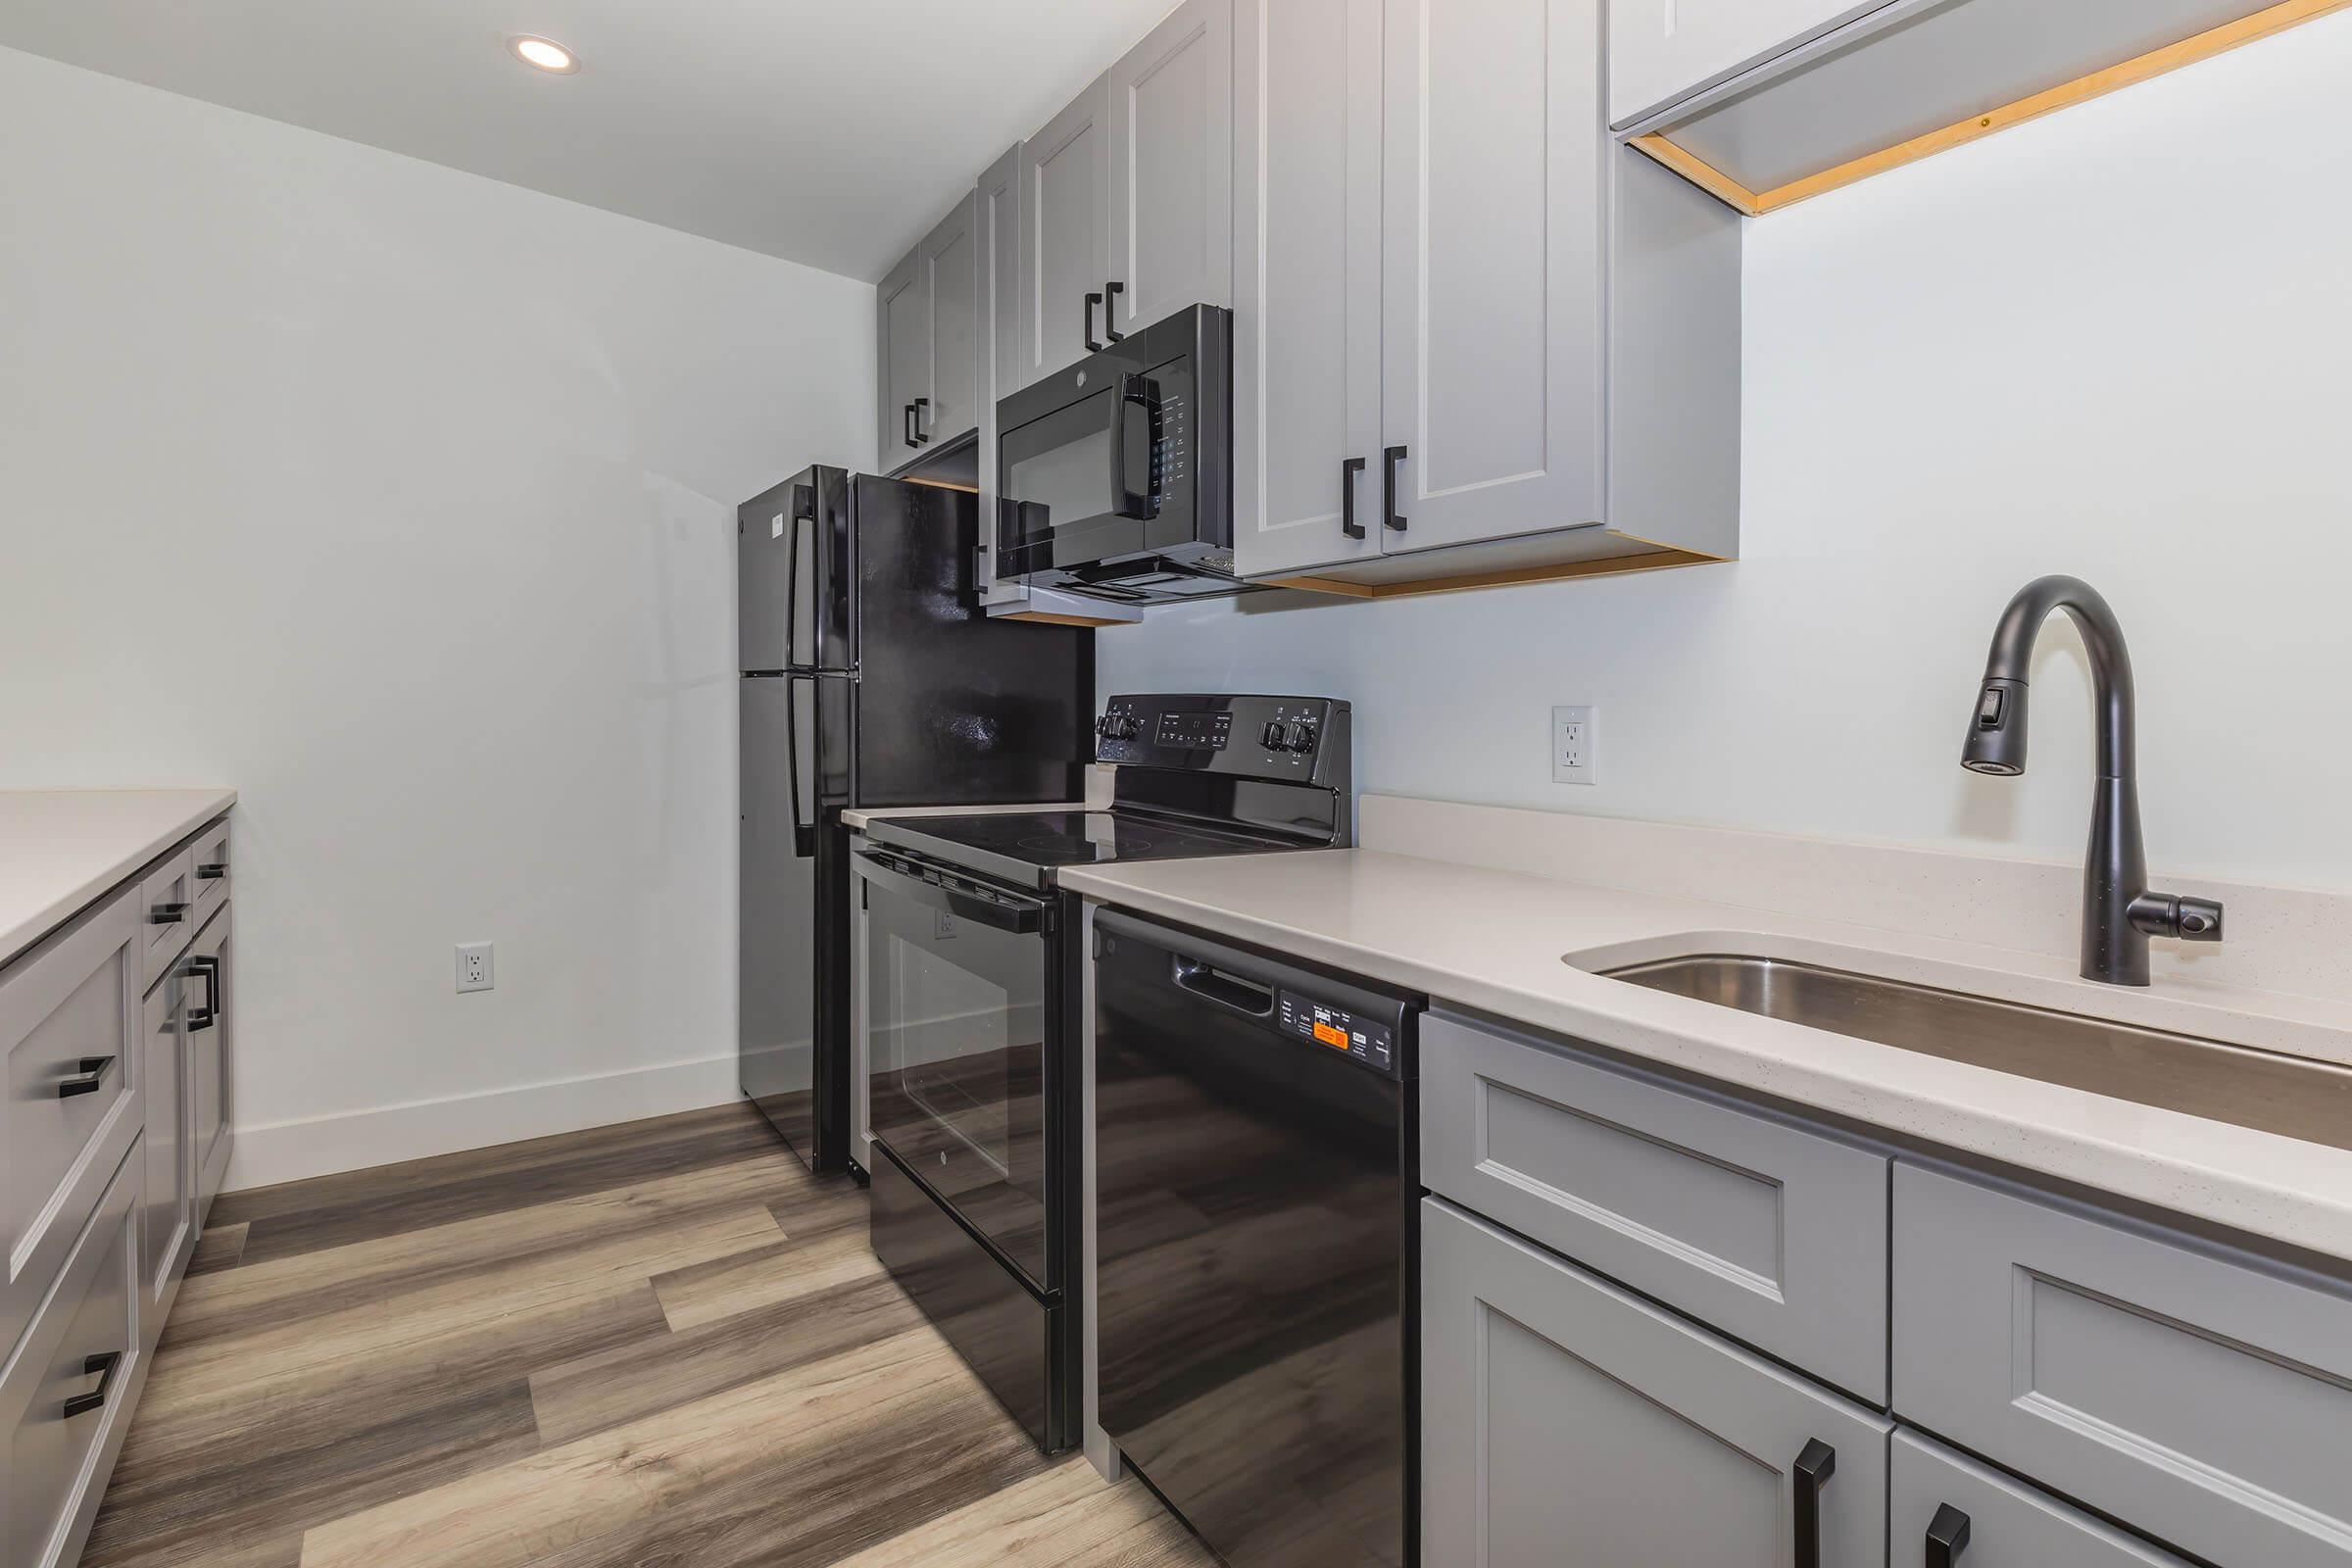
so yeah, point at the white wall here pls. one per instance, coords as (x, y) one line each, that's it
(403, 502)
(2113, 343)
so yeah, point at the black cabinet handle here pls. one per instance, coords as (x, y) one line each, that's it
(1814, 1466)
(167, 915)
(1390, 457)
(203, 1018)
(212, 872)
(1947, 1537)
(103, 1368)
(1110, 310)
(1347, 472)
(86, 1081)
(1092, 299)
(907, 425)
(922, 406)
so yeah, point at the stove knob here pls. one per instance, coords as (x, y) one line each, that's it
(1272, 735)
(1298, 738)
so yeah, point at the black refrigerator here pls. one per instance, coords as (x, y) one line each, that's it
(870, 677)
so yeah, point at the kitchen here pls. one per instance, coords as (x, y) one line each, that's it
(405, 505)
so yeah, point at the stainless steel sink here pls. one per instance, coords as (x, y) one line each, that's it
(2208, 1078)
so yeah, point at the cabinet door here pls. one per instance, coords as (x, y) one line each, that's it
(1565, 1420)
(905, 362)
(951, 268)
(997, 224)
(167, 1228)
(1171, 167)
(1306, 283)
(1950, 1512)
(1664, 50)
(1065, 250)
(1492, 268)
(212, 1028)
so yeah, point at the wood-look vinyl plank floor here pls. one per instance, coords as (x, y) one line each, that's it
(657, 1345)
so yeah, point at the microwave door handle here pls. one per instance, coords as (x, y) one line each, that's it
(1135, 392)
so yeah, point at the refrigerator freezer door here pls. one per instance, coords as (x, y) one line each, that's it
(792, 577)
(777, 942)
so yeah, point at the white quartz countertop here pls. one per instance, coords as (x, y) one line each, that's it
(1495, 942)
(61, 849)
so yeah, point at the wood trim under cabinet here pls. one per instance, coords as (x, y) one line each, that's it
(1044, 617)
(1552, 571)
(2229, 35)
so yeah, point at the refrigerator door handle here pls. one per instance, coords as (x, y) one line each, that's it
(803, 832)
(804, 509)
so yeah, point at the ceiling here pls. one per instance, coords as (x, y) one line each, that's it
(827, 131)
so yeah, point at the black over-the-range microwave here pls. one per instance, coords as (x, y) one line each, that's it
(1115, 475)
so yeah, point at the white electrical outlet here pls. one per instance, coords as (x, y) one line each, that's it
(1575, 745)
(477, 967)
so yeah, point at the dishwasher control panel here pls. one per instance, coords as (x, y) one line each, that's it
(1367, 1040)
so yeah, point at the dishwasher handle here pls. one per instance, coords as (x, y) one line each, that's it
(1250, 997)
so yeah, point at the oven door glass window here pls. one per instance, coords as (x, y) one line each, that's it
(955, 1026)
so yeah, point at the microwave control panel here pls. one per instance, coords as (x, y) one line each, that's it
(1302, 740)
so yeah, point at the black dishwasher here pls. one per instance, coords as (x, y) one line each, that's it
(1257, 1260)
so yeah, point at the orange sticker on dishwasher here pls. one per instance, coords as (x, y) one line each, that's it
(1331, 1036)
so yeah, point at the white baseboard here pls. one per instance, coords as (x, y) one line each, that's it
(320, 1145)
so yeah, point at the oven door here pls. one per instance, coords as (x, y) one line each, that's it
(958, 1013)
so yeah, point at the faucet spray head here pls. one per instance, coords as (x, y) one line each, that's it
(1996, 730)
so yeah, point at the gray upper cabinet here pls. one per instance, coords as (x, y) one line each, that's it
(1662, 50)
(905, 307)
(929, 345)
(1171, 168)
(1565, 1420)
(1940, 1502)
(1064, 237)
(1492, 268)
(2199, 1396)
(1306, 282)
(1557, 341)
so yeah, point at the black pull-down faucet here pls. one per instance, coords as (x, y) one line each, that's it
(2119, 912)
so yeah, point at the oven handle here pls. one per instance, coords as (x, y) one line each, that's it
(1135, 392)
(942, 888)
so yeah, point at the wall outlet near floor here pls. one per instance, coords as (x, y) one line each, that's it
(477, 967)
(1574, 745)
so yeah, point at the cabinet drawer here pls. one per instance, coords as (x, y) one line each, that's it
(2006, 1524)
(66, 1395)
(2201, 1396)
(1773, 1234)
(167, 906)
(68, 1022)
(208, 865)
(1567, 1421)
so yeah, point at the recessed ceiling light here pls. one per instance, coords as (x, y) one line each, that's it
(544, 54)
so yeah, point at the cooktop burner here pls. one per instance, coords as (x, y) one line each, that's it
(1030, 846)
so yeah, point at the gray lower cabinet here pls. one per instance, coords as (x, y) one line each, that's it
(1171, 168)
(168, 1222)
(1565, 1420)
(2199, 1396)
(1771, 1232)
(68, 1387)
(1947, 1511)
(1065, 231)
(210, 1028)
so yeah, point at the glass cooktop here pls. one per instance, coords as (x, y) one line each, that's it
(1030, 846)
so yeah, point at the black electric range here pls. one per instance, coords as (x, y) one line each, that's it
(970, 973)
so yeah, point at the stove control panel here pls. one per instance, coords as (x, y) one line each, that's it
(1302, 740)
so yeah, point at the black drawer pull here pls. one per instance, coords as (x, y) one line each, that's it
(85, 1082)
(103, 1368)
(212, 872)
(1814, 1466)
(1390, 457)
(203, 1018)
(167, 915)
(1347, 472)
(1947, 1537)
